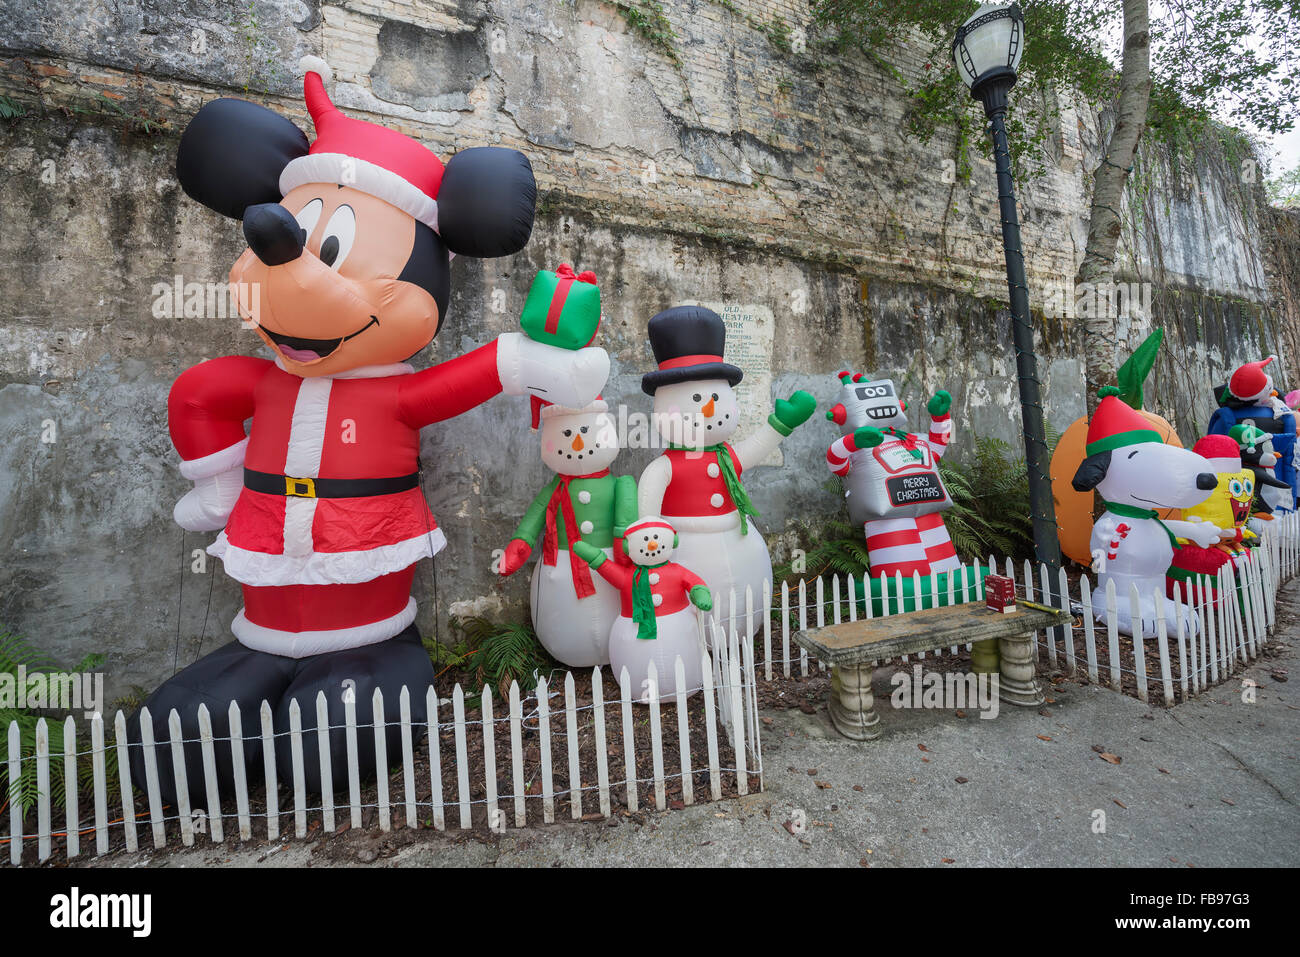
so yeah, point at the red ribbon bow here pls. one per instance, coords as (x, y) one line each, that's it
(566, 277)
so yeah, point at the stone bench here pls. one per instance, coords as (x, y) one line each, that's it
(1001, 642)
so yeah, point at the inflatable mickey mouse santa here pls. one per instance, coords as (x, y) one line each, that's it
(319, 505)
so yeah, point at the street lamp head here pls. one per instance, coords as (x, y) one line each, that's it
(987, 51)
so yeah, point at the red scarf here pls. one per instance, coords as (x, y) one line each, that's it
(582, 584)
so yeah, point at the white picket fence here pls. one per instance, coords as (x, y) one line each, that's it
(729, 700)
(1233, 632)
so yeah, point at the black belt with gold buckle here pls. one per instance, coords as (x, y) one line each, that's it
(293, 487)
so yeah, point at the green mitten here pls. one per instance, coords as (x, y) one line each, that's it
(867, 437)
(701, 598)
(589, 553)
(792, 413)
(939, 403)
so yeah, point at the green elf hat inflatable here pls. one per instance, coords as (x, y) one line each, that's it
(1117, 424)
(563, 308)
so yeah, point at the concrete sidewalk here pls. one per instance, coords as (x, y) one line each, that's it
(1213, 782)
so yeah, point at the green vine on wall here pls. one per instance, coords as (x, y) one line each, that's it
(646, 19)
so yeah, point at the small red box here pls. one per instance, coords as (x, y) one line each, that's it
(1000, 593)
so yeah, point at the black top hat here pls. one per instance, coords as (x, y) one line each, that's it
(688, 342)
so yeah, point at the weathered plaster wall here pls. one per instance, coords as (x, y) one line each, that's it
(738, 172)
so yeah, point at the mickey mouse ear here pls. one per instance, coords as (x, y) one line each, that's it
(486, 202)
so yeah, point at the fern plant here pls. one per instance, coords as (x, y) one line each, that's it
(16, 651)
(989, 515)
(501, 652)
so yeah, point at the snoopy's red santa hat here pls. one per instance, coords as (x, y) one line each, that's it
(1221, 451)
(1116, 424)
(1250, 381)
(371, 158)
(650, 522)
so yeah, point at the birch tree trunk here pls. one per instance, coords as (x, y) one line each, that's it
(1097, 271)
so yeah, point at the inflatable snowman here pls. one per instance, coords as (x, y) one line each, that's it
(696, 483)
(1136, 473)
(656, 622)
(573, 611)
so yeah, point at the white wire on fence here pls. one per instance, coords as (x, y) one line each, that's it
(729, 699)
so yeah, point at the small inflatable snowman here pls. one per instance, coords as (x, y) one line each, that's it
(696, 483)
(1135, 473)
(573, 612)
(656, 622)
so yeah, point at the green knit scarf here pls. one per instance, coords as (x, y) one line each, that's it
(1133, 511)
(643, 603)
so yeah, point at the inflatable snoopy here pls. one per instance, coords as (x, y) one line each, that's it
(1135, 474)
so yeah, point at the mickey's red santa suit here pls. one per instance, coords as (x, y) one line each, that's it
(696, 483)
(657, 624)
(319, 505)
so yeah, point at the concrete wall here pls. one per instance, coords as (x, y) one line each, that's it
(717, 167)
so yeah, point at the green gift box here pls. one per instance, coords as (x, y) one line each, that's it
(563, 308)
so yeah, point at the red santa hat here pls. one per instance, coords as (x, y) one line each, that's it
(371, 158)
(541, 409)
(1221, 451)
(1116, 424)
(1250, 381)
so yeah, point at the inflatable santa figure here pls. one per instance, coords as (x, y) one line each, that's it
(318, 504)
(1250, 396)
(696, 483)
(1135, 473)
(572, 610)
(891, 477)
(656, 621)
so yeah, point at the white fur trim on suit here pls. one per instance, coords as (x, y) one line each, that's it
(363, 175)
(302, 460)
(301, 644)
(231, 457)
(314, 64)
(361, 372)
(324, 568)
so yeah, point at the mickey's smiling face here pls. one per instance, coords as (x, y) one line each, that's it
(350, 238)
(327, 280)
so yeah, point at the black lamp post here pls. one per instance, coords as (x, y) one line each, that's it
(987, 51)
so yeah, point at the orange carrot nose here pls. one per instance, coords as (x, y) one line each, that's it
(652, 546)
(708, 409)
(577, 443)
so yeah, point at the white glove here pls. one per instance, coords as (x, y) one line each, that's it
(207, 506)
(218, 479)
(1202, 533)
(567, 377)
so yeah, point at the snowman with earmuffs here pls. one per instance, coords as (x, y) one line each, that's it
(318, 505)
(696, 483)
(1135, 473)
(657, 623)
